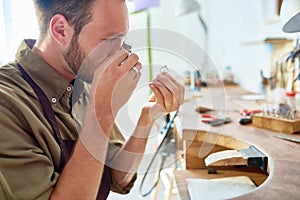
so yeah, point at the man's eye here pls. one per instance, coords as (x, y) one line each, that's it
(111, 39)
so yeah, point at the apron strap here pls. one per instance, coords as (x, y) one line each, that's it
(65, 145)
(65, 148)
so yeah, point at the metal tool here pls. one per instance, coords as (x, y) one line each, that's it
(220, 121)
(245, 120)
(214, 120)
(288, 138)
(127, 47)
(255, 158)
(282, 111)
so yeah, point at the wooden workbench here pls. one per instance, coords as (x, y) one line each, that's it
(282, 179)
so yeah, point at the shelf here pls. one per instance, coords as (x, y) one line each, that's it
(275, 40)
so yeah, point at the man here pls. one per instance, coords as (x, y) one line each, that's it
(37, 126)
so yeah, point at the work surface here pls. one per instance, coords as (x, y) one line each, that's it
(284, 156)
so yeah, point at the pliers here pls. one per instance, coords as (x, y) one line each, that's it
(247, 112)
(214, 121)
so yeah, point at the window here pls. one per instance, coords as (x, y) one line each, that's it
(18, 21)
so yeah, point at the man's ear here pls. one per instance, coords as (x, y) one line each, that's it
(60, 29)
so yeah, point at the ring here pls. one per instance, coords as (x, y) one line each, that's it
(164, 69)
(137, 71)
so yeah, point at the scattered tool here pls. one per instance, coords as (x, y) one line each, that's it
(288, 138)
(201, 109)
(208, 118)
(247, 112)
(245, 120)
(250, 157)
(248, 116)
(221, 121)
(214, 121)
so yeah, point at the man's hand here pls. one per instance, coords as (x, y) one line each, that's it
(113, 83)
(168, 95)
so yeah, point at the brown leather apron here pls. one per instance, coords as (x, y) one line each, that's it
(66, 145)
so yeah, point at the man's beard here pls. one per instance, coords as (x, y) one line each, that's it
(74, 56)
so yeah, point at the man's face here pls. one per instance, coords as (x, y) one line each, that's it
(99, 38)
(74, 55)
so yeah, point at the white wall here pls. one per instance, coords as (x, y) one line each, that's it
(232, 23)
(17, 22)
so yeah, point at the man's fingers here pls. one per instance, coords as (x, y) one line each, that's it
(132, 66)
(119, 56)
(158, 95)
(174, 86)
(166, 94)
(164, 97)
(168, 84)
(179, 86)
(136, 70)
(175, 104)
(130, 62)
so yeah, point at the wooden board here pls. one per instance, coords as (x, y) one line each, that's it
(219, 188)
(276, 124)
(182, 175)
(226, 158)
(193, 159)
(284, 159)
(198, 145)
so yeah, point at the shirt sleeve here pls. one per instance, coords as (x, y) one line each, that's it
(116, 143)
(25, 170)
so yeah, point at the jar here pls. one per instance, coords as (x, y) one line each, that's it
(197, 80)
(297, 96)
(291, 99)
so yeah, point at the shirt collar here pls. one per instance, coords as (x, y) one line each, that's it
(50, 81)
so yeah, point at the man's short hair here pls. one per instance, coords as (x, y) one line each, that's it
(77, 12)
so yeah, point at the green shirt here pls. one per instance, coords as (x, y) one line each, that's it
(29, 154)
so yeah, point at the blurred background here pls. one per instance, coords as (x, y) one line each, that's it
(237, 30)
